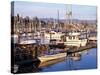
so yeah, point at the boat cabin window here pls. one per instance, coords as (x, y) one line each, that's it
(70, 37)
(73, 37)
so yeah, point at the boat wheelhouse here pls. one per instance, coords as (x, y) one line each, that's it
(74, 39)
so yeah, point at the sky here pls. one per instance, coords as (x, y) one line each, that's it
(49, 10)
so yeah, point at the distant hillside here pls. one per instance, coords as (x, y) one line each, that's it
(76, 21)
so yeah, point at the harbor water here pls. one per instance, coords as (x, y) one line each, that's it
(88, 60)
(83, 60)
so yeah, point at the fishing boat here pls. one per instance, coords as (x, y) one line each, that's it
(74, 39)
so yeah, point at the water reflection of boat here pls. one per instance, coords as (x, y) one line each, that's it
(76, 57)
(85, 52)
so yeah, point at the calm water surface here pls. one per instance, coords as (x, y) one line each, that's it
(88, 60)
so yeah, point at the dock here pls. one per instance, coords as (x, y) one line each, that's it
(74, 50)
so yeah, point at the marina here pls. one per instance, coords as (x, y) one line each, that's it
(34, 52)
(54, 42)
